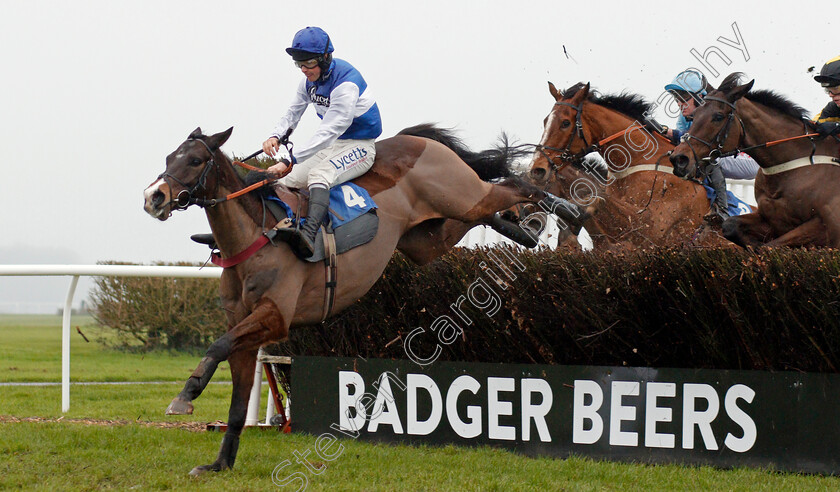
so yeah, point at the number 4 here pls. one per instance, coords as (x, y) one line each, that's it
(351, 198)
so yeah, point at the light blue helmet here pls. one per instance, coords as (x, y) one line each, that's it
(690, 81)
(309, 43)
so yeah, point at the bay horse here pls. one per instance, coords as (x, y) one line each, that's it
(426, 195)
(796, 187)
(644, 204)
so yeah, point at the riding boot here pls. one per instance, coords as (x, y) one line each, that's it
(720, 207)
(567, 211)
(302, 239)
(513, 231)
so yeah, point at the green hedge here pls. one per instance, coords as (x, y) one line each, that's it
(144, 314)
(724, 309)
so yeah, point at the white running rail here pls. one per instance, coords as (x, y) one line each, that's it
(75, 271)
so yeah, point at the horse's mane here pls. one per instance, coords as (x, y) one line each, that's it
(488, 164)
(627, 103)
(765, 97)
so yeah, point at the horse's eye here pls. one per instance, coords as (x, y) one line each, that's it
(565, 124)
(195, 162)
(717, 117)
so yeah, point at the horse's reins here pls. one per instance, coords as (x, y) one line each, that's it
(716, 146)
(565, 154)
(186, 196)
(575, 159)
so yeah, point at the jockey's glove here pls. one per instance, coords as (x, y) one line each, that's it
(654, 126)
(828, 128)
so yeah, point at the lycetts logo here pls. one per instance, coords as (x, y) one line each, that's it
(354, 155)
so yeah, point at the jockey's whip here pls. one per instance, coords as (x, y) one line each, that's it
(253, 155)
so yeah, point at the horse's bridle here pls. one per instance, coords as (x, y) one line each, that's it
(565, 154)
(716, 145)
(186, 197)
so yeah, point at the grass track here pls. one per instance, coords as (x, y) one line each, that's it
(74, 456)
(30, 351)
(62, 456)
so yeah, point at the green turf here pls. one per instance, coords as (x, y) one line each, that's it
(68, 456)
(30, 351)
(134, 402)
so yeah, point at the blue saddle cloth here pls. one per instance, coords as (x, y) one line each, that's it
(736, 205)
(347, 201)
(352, 219)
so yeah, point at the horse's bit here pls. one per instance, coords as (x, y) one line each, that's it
(716, 145)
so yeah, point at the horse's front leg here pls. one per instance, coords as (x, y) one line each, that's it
(242, 366)
(747, 230)
(811, 233)
(264, 324)
(218, 351)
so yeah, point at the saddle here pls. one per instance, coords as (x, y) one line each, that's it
(351, 210)
(349, 225)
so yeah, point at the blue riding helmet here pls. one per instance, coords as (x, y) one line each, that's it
(310, 42)
(689, 81)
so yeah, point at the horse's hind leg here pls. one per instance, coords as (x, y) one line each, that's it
(512, 191)
(432, 238)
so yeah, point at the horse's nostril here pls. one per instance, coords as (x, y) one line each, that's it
(157, 198)
(538, 173)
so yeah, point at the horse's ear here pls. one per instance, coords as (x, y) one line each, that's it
(219, 139)
(557, 95)
(738, 92)
(581, 94)
(195, 134)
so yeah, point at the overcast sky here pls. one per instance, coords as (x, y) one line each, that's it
(95, 94)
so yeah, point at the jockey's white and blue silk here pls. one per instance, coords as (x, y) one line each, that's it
(341, 99)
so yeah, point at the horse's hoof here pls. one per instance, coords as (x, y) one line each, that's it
(592, 209)
(179, 407)
(200, 470)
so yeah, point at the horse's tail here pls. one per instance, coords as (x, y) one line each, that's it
(488, 164)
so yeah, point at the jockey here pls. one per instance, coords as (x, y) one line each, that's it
(343, 145)
(828, 120)
(689, 88)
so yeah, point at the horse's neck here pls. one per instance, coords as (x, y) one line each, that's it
(639, 144)
(763, 124)
(619, 215)
(236, 223)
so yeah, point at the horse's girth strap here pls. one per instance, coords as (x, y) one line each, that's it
(801, 162)
(331, 272)
(639, 168)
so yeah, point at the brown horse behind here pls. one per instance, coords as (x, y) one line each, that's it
(796, 188)
(427, 198)
(644, 204)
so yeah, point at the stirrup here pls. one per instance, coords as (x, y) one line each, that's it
(207, 239)
(294, 237)
(716, 215)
